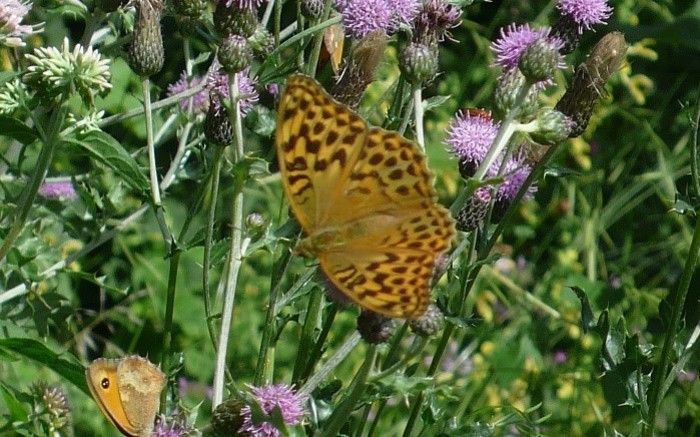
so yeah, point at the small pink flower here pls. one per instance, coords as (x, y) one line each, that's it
(269, 397)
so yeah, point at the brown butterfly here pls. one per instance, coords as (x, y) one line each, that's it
(127, 390)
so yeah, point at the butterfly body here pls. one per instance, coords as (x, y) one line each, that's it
(364, 197)
(127, 390)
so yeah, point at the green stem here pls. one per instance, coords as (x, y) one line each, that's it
(694, 151)
(307, 332)
(236, 250)
(169, 311)
(418, 115)
(208, 237)
(318, 41)
(50, 142)
(152, 170)
(677, 300)
(317, 350)
(303, 34)
(357, 388)
(330, 365)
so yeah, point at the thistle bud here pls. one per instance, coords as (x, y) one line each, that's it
(566, 30)
(374, 328)
(262, 41)
(590, 78)
(540, 60)
(52, 409)
(552, 127)
(255, 223)
(474, 211)
(419, 63)
(359, 68)
(312, 8)
(509, 84)
(189, 12)
(146, 54)
(232, 20)
(430, 323)
(235, 54)
(227, 419)
(217, 126)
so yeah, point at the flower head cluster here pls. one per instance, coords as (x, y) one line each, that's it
(57, 72)
(361, 17)
(199, 100)
(12, 33)
(85, 123)
(58, 190)
(585, 13)
(269, 397)
(11, 96)
(469, 138)
(51, 408)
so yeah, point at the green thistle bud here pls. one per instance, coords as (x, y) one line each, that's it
(12, 96)
(262, 41)
(235, 54)
(509, 84)
(553, 127)
(217, 126)
(419, 62)
(430, 323)
(374, 328)
(359, 68)
(590, 78)
(312, 8)
(146, 54)
(540, 60)
(226, 419)
(188, 13)
(474, 211)
(234, 21)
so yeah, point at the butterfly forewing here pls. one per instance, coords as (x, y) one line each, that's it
(318, 141)
(372, 190)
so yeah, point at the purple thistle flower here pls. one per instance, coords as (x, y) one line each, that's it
(269, 397)
(218, 85)
(470, 136)
(559, 357)
(58, 190)
(244, 4)
(200, 100)
(12, 12)
(513, 41)
(514, 174)
(361, 17)
(585, 13)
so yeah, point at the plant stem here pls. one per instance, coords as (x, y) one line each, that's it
(418, 115)
(50, 142)
(357, 388)
(318, 41)
(152, 170)
(307, 332)
(331, 364)
(236, 250)
(168, 327)
(208, 237)
(505, 131)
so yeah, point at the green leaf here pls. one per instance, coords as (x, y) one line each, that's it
(13, 128)
(37, 351)
(587, 318)
(107, 150)
(16, 409)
